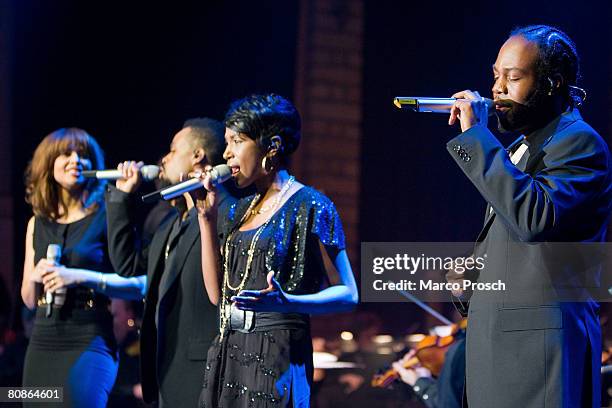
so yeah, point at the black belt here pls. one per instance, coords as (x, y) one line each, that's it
(83, 299)
(246, 321)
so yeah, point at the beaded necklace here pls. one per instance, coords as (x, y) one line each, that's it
(225, 312)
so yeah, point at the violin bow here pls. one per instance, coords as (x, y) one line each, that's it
(425, 307)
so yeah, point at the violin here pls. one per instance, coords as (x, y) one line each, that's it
(430, 352)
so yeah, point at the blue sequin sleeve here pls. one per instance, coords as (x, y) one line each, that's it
(326, 223)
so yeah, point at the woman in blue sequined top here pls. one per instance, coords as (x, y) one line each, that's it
(267, 264)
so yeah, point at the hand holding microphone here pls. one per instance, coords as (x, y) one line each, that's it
(57, 278)
(467, 106)
(470, 108)
(205, 199)
(131, 176)
(208, 179)
(53, 294)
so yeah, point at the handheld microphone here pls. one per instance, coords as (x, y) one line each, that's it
(148, 172)
(54, 254)
(218, 175)
(432, 105)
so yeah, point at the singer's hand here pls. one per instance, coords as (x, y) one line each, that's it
(204, 199)
(470, 108)
(270, 299)
(60, 277)
(131, 178)
(42, 268)
(455, 275)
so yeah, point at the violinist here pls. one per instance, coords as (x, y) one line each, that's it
(434, 369)
(445, 390)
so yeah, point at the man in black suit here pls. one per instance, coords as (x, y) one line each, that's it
(527, 347)
(179, 321)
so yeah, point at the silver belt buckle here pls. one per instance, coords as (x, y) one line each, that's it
(241, 320)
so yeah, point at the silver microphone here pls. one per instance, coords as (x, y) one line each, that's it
(433, 105)
(148, 172)
(218, 175)
(54, 254)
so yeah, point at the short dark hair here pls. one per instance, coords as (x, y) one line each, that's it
(557, 56)
(209, 135)
(261, 117)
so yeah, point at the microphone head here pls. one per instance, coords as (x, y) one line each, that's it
(89, 173)
(149, 172)
(220, 173)
(54, 252)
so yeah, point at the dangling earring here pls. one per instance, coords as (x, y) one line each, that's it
(266, 164)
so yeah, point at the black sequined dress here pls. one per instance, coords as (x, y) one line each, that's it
(272, 365)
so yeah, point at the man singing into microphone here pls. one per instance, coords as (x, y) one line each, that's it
(552, 185)
(179, 321)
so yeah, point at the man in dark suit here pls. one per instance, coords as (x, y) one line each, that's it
(527, 347)
(179, 321)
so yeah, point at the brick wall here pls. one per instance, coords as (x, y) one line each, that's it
(329, 96)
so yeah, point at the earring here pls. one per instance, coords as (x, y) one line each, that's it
(266, 164)
(552, 86)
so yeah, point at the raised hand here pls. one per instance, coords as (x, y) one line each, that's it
(204, 199)
(470, 108)
(131, 179)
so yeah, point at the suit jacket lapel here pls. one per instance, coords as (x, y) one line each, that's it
(490, 215)
(533, 155)
(156, 251)
(187, 240)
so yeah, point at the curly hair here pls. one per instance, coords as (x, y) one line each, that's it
(261, 117)
(42, 191)
(557, 56)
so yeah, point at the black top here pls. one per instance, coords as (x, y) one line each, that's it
(83, 242)
(84, 246)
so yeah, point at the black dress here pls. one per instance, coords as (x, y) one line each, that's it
(272, 365)
(75, 347)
